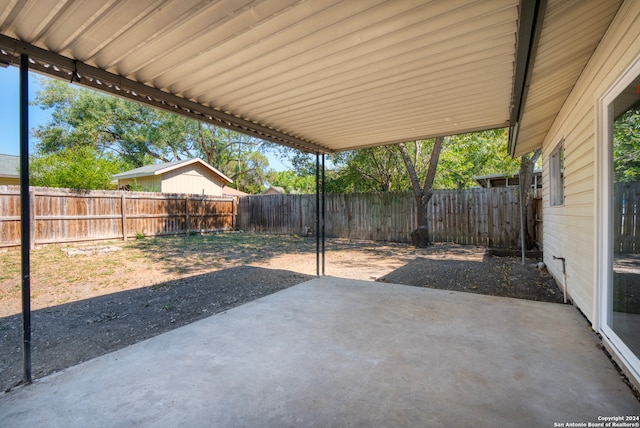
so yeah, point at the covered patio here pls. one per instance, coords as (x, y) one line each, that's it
(339, 352)
(323, 77)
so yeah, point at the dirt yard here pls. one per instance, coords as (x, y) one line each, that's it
(91, 300)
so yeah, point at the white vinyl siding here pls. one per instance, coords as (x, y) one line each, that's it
(570, 229)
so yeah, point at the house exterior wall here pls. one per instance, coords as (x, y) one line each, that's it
(192, 178)
(152, 183)
(570, 229)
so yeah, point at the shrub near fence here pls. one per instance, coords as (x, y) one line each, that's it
(488, 217)
(64, 215)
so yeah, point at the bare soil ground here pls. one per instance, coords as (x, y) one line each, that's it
(91, 300)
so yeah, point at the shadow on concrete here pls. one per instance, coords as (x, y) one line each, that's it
(186, 254)
(68, 334)
(494, 276)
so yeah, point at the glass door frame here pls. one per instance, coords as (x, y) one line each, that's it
(604, 219)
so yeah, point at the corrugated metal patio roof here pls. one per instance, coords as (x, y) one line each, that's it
(321, 75)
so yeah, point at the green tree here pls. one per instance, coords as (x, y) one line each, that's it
(626, 146)
(136, 134)
(376, 169)
(292, 182)
(463, 157)
(251, 172)
(422, 192)
(75, 168)
(139, 135)
(237, 155)
(474, 154)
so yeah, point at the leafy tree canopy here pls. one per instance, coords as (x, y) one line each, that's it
(463, 157)
(79, 167)
(474, 154)
(292, 182)
(626, 146)
(137, 135)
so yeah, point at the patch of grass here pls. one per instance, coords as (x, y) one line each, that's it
(56, 274)
(178, 253)
(10, 262)
(167, 307)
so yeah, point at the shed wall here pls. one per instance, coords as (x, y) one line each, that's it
(192, 178)
(570, 230)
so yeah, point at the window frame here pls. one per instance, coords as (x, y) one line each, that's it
(556, 175)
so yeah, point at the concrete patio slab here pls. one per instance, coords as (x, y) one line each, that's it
(335, 352)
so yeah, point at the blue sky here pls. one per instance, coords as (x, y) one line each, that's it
(10, 114)
(9, 109)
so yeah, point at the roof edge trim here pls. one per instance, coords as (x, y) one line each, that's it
(529, 29)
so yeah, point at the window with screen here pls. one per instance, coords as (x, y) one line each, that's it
(556, 175)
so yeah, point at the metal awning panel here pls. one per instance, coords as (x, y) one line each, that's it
(320, 75)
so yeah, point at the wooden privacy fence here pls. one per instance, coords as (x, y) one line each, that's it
(488, 217)
(63, 215)
(626, 219)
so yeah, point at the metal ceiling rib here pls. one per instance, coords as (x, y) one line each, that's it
(319, 75)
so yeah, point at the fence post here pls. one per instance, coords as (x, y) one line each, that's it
(123, 208)
(202, 213)
(234, 213)
(186, 214)
(32, 218)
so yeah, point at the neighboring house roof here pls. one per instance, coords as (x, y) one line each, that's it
(230, 191)
(274, 190)
(502, 180)
(9, 166)
(159, 169)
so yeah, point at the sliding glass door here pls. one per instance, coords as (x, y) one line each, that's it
(621, 294)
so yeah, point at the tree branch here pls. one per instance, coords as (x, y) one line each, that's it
(411, 169)
(433, 165)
